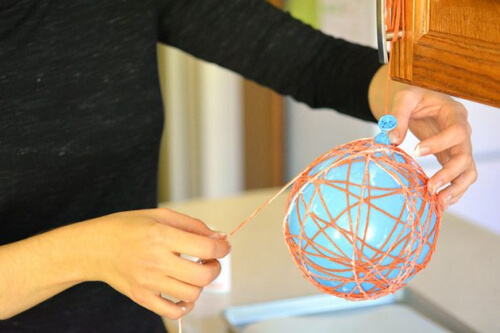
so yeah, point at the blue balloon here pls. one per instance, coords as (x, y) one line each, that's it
(362, 223)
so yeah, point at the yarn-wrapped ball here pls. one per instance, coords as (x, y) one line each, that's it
(360, 221)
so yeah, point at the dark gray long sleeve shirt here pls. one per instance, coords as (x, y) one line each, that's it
(81, 115)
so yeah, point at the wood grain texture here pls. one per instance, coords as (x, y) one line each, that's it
(474, 19)
(452, 46)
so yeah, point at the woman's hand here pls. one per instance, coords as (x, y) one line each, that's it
(138, 254)
(441, 124)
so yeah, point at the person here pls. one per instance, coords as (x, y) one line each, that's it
(83, 247)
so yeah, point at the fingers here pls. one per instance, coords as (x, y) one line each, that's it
(405, 102)
(451, 170)
(459, 185)
(449, 137)
(181, 221)
(453, 147)
(193, 273)
(441, 123)
(177, 289)
(187, 235)
(145, 258)
(163, 307)
(194, 245)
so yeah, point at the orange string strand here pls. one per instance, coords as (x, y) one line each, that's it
(264, 205)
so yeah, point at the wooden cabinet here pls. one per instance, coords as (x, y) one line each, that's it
(452, 46)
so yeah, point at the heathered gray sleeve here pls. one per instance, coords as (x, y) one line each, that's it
(264, 44)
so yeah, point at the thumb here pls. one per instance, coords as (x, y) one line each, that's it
(405, 103)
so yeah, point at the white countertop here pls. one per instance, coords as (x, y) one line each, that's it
(463, 276)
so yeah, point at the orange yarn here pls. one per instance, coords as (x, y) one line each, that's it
(402, 254)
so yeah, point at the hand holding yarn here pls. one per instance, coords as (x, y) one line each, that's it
(138, 254)
(441, 123)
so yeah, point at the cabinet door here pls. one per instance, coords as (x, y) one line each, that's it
(452, 46)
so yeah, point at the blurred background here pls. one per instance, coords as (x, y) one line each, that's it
(224, 135)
